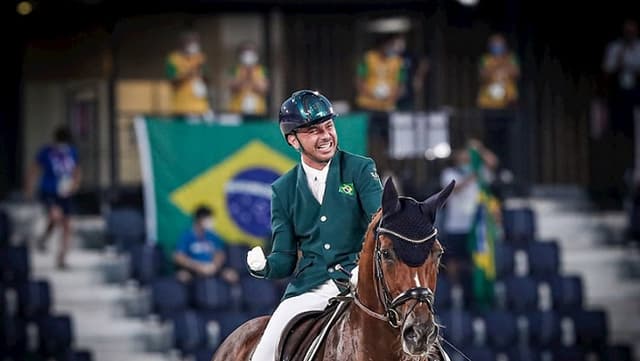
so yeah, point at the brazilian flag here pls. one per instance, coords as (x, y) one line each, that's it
(483, 237)
(228, 168)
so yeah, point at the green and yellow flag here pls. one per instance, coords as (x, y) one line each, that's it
(228, 168)
(483, 237)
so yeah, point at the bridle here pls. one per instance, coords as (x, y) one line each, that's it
(419, 294)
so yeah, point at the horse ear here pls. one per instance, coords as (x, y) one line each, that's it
(431, 205)
(390, 203)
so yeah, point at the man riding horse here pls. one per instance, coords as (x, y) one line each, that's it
(320, 211)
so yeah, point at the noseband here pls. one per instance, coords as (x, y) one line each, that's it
(418, 294)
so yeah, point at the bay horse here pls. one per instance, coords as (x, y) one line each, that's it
(391, 316)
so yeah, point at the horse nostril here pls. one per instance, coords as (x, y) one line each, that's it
(411, 334)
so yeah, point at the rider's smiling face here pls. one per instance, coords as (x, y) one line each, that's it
(317, 143)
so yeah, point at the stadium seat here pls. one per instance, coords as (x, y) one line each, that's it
(228, 321)
(77, 355)
(617, 353)
(568, 354)
(211, 294)
(501, 328)
(457, 327)
(591, 328)
(521, 294)
(125, 228)
(523, 352)
(519, 225)
(3, 302)
(566, 292)
(259, 296)
(204, 354)
(15, 265)
(168, 297)
(56, 335)
(237, 258)
(13, 337)
(6, 229)
(475, 354)
(544, 328)
(146, 263)
(544, 259)
(189, 331)
(504, 254)
(34, 300)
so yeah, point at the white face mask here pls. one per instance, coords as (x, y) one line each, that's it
(192, 48)
(249, 58)
(208, 224)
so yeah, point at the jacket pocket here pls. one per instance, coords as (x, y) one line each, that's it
(302, 265)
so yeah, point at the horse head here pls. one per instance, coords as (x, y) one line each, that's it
(400, 257)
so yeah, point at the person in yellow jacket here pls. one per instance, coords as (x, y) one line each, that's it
(381, 75)
(186, 70)
(499, 73)
(249, 83)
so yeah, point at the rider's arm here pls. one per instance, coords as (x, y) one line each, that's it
(369, 188)
(282, 260)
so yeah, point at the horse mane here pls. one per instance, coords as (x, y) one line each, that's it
(369, 235)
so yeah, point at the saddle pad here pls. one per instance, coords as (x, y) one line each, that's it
(303, 329)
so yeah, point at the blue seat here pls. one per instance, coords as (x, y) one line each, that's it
(168, 297)
(617, 353)
(544, 328)
(146, 262)
(568, 354)
(237, 258)
(211, 293)
(523, 353)
(591, 328)
(457, 327)
(34, 300)
(204, 354)
(521, 294)
(501, 328)
(566, 292)
(544, 259)
(13, 337)
(15, 265)
(56, 335)
(443, 294)
(189, 330)
(77, 355)
(125, 228)
(519, 225)
(228, 321)
(259, 296)
(477, 354)
(6, 229)
(504, 258)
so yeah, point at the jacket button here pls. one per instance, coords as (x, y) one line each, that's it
(327, 246)
(323, 219)
(330, 269)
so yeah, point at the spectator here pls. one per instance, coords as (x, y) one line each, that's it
(58, 169)
(621, 66)
(186, 70)
(249, 84)
(200, 252)
(499, 72)
(461, 206)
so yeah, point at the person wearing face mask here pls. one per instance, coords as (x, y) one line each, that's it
(320, 210)
(185, 68)
(499, 72)
(57, 165)
(249, 84)
(200, 252)
(462, 205)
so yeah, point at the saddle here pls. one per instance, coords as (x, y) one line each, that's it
(305, 333)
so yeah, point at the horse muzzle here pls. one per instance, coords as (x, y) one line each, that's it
(418, 336)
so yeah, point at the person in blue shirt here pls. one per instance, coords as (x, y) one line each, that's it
(200, 252)
(58, 167)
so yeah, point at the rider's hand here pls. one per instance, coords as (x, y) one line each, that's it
(256, 259)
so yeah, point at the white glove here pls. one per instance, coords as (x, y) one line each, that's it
(256, 259)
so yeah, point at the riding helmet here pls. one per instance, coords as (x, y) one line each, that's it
(302, 109)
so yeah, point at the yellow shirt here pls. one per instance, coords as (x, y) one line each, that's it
(500, 90)
(189, 91)
(246, 100)
(382, 78)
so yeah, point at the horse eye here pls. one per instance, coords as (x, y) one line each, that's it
(387, 255)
